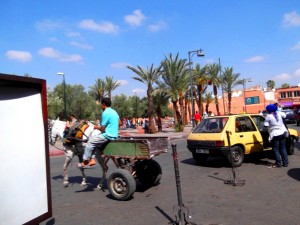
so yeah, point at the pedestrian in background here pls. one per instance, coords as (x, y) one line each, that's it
(197, 117)
(210, 113)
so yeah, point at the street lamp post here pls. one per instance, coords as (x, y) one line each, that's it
(199, 54)
(136, 106)
(64, 86)
(244, 80)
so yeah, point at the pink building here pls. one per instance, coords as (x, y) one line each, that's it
(255, 99)
(289, 97)
(251, 100)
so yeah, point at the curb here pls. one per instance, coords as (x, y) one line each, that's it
(178, 137)
(56, 153)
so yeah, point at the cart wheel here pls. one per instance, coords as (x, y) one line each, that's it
(237, 155)
(148, 172)
(121, 184)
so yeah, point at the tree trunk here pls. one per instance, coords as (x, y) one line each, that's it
(200, 90)
(152, 128)
(181, 105)
(229, 103)
(185, 111)
(159, 124)
(206, 108)
(182, 111)
(189, 111)
(216, 99)
(177, 113)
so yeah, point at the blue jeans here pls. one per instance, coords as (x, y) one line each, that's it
(93, 142)
(278, 146)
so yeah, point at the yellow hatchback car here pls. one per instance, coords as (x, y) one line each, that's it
(246, 134)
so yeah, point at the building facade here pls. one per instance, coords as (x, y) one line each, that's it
(289, 97)
(255, 99)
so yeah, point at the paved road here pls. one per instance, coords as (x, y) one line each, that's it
(269, 196)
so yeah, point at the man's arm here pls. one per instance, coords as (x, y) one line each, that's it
(101, 128)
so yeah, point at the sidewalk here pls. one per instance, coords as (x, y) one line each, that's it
(167, 132)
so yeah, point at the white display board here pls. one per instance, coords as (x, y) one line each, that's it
(25, 196)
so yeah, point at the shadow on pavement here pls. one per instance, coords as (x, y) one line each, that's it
(51, 221)
(171, 221)
(294, 173)
(214, 162)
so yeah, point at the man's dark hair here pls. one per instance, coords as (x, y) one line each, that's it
(106, 101)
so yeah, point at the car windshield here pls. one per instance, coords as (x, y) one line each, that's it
(211, 125)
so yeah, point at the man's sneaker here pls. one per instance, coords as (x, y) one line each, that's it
(92, 162)
(83, 164)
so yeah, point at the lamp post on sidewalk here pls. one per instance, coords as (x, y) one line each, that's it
(64, 86)
(191, 54)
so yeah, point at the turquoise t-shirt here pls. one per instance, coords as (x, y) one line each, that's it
(110, 119)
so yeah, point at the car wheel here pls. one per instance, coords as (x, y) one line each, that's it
(236, 156)
(200, 158)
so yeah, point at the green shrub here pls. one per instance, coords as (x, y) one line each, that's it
(178, 127)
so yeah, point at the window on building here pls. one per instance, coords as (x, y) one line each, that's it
(296, 93)
(289, 94)
(282, 94)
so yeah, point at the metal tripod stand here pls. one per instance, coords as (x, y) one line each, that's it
(234, 181)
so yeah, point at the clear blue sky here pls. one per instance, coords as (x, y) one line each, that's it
(87, 40)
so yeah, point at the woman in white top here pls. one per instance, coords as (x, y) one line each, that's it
(277, 135)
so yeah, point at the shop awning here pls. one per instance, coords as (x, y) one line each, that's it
(286, 104)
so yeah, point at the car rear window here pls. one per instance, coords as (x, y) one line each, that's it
(244, 124)
(211, 125)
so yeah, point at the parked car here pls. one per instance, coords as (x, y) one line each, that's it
(246, 134)
(297, 112)
(291, 116)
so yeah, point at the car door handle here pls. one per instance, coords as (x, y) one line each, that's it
(241, 135)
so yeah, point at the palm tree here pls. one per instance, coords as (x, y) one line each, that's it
(176, 80)
(201, 81)
(271, 84)
(229, 80)
(161, 98)
(285, 85)
(98, 90)
(213, 71)
(208, 99)
(111, 85)
(148, 77)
